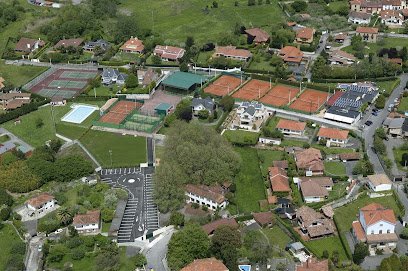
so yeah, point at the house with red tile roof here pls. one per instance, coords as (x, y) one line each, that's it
(313, 224)
(333, 136)
(264, 219)
(205, 265)
(279, 180)
(340, 38)
(88, 223)
(212, 226)
(291, 127)
(339, 57)
(133, 45)
(13, 100)
(310, 160)
(314, 189)
(64, 43)
(368, 34)
(312, 264)
(392, 18)
(379, 182)
(232, 52)
(210, 196)
(304, 35)
(169, 53)
(257, 35)
(41, 204)
(25, 45)
(376, 227)
(291, 55)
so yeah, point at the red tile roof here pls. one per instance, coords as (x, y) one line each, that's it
(213, 193)
(169, 52)
(90, 217)
(395, 60)
(313, 265)
(69, 42)
(375, 212)
(39, 200)
(279, 180)
(27, 45)
(309, 159)
(133, 45)
(263, 218)
(305, 33)
(291, 125)
(367, 30)
(340, 36)
(333, 133)
(291, 54)
(212, 226)
(358, 231)
(281, 164)
(232, 51)
(260, 36)
(348, 156)
(210, 264)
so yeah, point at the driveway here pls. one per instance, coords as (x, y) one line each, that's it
(390, 144)
(156, 255)
(372, 262)
(33, 255)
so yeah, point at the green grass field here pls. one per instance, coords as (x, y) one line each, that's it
(398, 158)
(334, 168)
(241, 137)
(292, 143)
(266, 157)
(277, 236)
(188, 18)
(389, 86)
(330, 244)
(403, 106)
(126, 150)
(332, 150)
(19, 75)
(8, 238)
(384, 43)
(249, 185)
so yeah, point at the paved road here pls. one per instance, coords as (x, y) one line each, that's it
(14, 139)
(368, 133)
(156, 255)
(34, 256)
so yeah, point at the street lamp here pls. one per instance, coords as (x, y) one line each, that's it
(110, 154)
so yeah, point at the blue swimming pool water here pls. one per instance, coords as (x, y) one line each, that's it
(244, 267)
(79, 113)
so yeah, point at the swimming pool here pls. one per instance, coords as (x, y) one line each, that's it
(244, 267)
(79, 113)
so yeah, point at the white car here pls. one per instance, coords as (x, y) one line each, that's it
(39, 248)
(58, 231)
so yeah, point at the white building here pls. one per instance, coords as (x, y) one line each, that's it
(333, 137)
(271, 141)
(379, 182)
(40, 204)
(356, 17)
(199, 104)
(376, 227)
(250, 116)
(210, 196)
(291, 127)
(88, 223)
(392, 18)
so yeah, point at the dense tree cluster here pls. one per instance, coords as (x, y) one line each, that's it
(193, 154)
(10, 11)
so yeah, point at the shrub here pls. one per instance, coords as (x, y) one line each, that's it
(78, 254)
(404, 233)
(5, 213)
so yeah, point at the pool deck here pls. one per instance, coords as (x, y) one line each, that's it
(69, 117)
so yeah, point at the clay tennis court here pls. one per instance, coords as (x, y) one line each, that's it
(65, 83)
(310, 101)
(253, 90)
(118, 112)
(280, 95)
(224, 85)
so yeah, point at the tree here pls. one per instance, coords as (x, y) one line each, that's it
(227, 103)
(258, 247)
(215, 4)
(184, 67)
(5, 213)
(5, 198)
(360, 252)
(72, 167)
(183, 110)
(11, 178)
(108, 259)
(186, 245)
(107, 215)
(177, 219)
(131, 81)
(404, 159)
(299, 5)
(39, 123)
(156, 60)
(380, 132)
(189, 42)
(196, 154)
(364, 107)
(55, 145)
(379, 145)
(64, 215)
(251, 2)
(126, 26)
(225, 244)
(203, 114)
(357, 43)
(380, 102)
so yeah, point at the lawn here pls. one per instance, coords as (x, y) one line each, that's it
(347, 214)
(241, 137)
(332, 150)
(266, 157)
(249, 185)
(273, 122)
(389, 86)
(4, 138)
(398, 158)
(334, 168)
(277, 236)
(330, 244)
(292, 143)
(126, 150)
(384, 43)
(8, 237)
(191, 18)
(19, 75)
(338, 5)
(403, 106)
(75, 149)
(104, 91)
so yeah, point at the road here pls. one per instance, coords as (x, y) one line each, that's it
(34, 256)
(157, 254)
(368, 132)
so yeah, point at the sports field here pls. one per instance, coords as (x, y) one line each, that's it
(118, 112)
(63, 83)
(253, 90)
(142, 123)
(224, 85)
(280, 95)
(310, 101)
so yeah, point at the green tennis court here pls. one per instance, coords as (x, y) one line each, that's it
(67, 84)
(145, 119)
(48, 92)
(139, 127)
(77, 74)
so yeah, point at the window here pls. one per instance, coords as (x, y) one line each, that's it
(372, 231)
(381, 225)
(380, 231)
(388, 231)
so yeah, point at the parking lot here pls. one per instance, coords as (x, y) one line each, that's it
(140, 215)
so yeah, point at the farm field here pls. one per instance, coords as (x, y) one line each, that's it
(192, 18)
(126, 150)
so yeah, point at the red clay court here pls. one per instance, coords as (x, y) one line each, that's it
(280, 95)
(224, 85)
(253, 90)
(310, 101)
(119, 111)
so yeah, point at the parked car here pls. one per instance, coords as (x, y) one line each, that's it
(374, 113)
(39, 248)
(368, 122)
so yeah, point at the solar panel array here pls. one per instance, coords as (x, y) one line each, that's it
(345, 102)
(360, 88)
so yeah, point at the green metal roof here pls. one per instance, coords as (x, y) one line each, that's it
(183, 80)
(163, 107)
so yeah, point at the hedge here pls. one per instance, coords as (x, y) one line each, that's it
(244, 217)
(309, 85)
(352, 80)
(344, 242)
(25, 109)
(89, 98)
(257, 71)
(162, 65)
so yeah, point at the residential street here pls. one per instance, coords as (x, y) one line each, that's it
(33, 254)
(156, 254)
